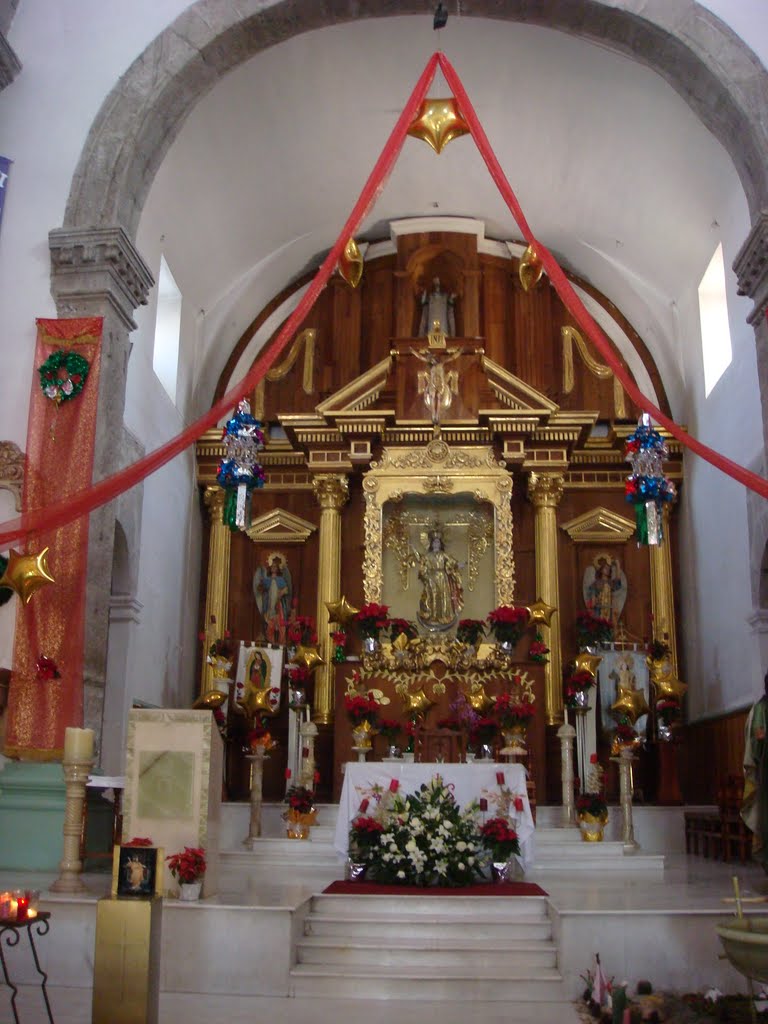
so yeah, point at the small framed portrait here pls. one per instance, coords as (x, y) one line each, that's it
(137, 871)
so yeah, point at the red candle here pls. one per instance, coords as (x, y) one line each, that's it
(287, 773)
(518, 803)
(364, 806)
(394, 786)
(500, 778)
(21, 908)
(483, 804)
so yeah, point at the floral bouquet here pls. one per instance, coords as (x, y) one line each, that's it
(361, 708)
(301, 630)
(538, 650)
(389, 729)
(483, 731)
(470, 631)
(404, 627)
(591, 630)
(500, 839)
(507, 623)
(625, 737)
(364, 836)
(371, 619)
(667, 710)
(300, 800)
(511, 711)
(260, 737)
(591, 803)
(222, 649)
(188, 866)
(427, 840)
(577, 683)
(339, 637)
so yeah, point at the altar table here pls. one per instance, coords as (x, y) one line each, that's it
(468, 782)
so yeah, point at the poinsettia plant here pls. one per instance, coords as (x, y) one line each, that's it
(591, 803)
(260, 737)
(364, 834)
(592, 630)
(470, 631)
(361, 707)
(371, 619)
(500, 839)
(389, 729)
(538, 650)
(511, 710)
(301, 630)
(222, 649)
(300, 799)
(404, 626)
(577, 682)
(667, 710)
(508, 623)
(189, 865)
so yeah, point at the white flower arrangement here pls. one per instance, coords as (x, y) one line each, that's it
(427, 840)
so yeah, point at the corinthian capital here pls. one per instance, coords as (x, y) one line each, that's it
(331, 490)
(545, 490)
(214, 502)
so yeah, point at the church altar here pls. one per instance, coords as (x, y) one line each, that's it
(467, 782)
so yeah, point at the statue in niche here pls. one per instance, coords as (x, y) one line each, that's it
(442, 594)
(605, 588)
(272, 588)
(437, 308)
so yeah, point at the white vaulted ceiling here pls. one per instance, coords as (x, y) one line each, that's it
(613, 170)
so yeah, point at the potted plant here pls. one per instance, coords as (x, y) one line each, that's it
(188, 868)
(390, 730)
(470, 631)
(591, 630)
(507, 624)
(577, 686)
(513, 712)
(362, 710)
(301, 813)
(369, 622)
(591, 808)
(402, 627)
(501, 841)
(260, 739)
(538, 650)
(365, 835)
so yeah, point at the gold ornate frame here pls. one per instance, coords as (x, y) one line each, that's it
(438, 469)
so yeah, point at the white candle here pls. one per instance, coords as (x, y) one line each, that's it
(78, 744)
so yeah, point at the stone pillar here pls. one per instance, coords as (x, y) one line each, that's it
(662, 590)
(99, 272)
(217, 588)
(751, 268)
(625, 759)
(331, 491)
(545, 490)
(566, 734)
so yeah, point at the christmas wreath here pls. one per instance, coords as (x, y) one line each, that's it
(63, 375)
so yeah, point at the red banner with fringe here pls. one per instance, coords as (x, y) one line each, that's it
(59, 463)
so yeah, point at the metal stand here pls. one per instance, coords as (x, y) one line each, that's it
(10, 933)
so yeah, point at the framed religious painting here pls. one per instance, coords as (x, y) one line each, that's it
(137, 871)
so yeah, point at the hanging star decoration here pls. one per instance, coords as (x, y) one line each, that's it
(478, 699)
(438, 122)
(209, 700)
(351, 264)
(25, 574)
(417, 702)
(308, 656)
(540, 612)
(341, 611)
(665, 687)
(630, 704)
(586, 662)
(531, 269)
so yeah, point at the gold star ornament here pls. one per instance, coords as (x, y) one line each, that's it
(211, 699)
(417, 702)
(667, 687)
(25, 574)
(351, 264)
(308, 656)
(438, 122)
(630, 704)
(540, 612)
(341, 611)
(586, 662)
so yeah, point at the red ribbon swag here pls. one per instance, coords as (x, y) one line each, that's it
(66, 511)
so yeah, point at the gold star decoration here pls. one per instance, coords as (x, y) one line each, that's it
(341, 611)
(351, 264)
(417, 702)
(210, 699)
(308, 656)
(531, 270)
(540, 613)
(257, 701)
(666, 687)
(25, 574)
(438, 122)
(630, 704)
(478, 699)
(586, 662)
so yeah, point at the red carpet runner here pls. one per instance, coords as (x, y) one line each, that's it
(481, 889)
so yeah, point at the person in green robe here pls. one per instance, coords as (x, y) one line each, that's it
(754, 807)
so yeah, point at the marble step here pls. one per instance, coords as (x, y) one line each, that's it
(524, 928)
(455, 983)
(413, 907)
(448, 953)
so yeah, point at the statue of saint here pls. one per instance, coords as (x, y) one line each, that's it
(272, 588)
(437, 307)
(442, 595)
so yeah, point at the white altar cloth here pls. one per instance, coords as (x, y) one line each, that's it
(468, 782)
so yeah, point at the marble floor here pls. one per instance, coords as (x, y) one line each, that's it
(583, 902)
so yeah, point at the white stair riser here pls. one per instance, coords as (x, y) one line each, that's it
(392, 931)
(446, 960)
(498, 989)
(381, 908)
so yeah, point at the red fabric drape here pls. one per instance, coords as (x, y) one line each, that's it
(573, 303)
(59, 461)
(63, 512)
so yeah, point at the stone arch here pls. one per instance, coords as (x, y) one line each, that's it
(706, 63)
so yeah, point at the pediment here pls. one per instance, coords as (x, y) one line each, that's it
(280, 527)
(513, 393)
(599, 525)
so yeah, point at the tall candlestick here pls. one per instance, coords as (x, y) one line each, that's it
(78, 745)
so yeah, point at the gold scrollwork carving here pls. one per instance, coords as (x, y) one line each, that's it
(599, 370)
(12, 470)
(307, 337)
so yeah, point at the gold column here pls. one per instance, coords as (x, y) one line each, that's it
(331, 491)
(663, 590)
(545, 490)
(217, 589)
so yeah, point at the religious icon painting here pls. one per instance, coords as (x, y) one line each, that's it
(137, 871)
(604, 587)
(258, 678)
